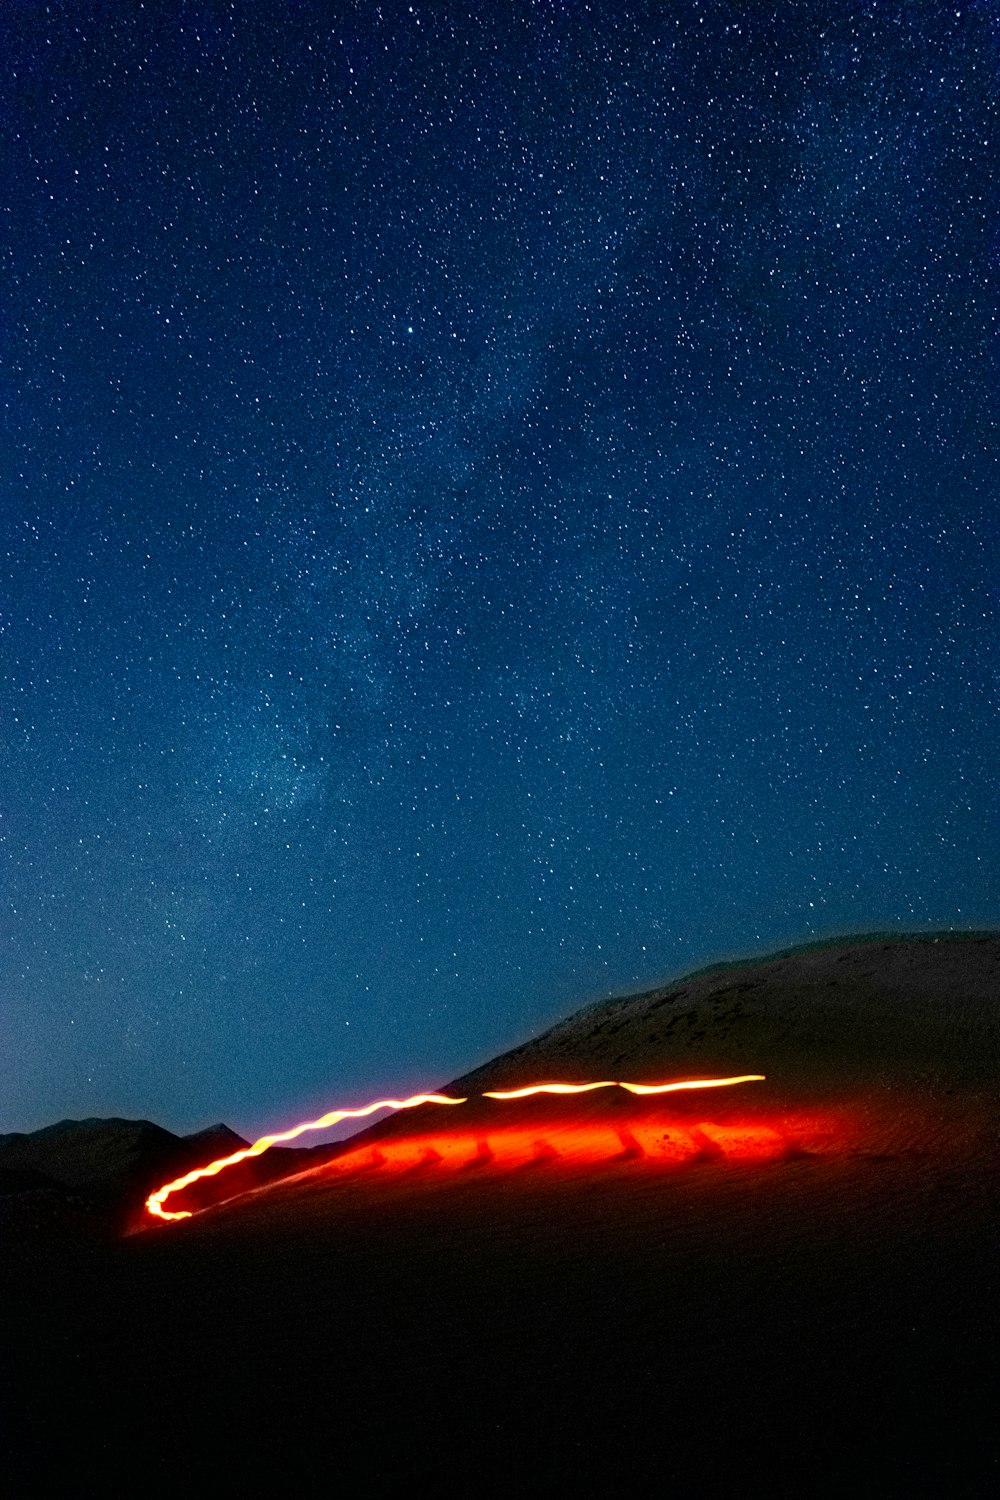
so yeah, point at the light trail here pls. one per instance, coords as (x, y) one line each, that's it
(549, 1088)
(633, 1088)
(155, 1202)
(697, 1083)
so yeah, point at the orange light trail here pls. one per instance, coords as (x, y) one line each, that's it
(155, 1202)
(548, 1088)
(698, 1083)
(633, 1088)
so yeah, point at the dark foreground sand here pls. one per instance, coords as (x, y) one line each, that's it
(790, 1289)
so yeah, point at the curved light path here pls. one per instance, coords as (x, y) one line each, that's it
(155, 1202)
(633, 1088)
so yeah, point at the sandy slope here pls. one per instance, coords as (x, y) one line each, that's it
(920, 1010)
(790, 1290)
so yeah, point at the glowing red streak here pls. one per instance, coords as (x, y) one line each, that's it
(155, 1202)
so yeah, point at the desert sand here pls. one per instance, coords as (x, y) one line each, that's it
(789, 1287)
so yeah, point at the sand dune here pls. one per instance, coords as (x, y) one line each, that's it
(920, 1010)
(789, 1289)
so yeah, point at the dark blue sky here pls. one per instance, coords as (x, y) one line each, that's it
(499, 505)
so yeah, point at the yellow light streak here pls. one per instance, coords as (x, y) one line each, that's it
(155, 1202)
(693, 1083)
(548, 1088)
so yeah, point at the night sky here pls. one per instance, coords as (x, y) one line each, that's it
(498, 506)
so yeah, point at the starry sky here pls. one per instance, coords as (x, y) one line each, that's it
(497, 507)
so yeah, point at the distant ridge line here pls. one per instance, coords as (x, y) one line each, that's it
(816, 945)
(722, 965)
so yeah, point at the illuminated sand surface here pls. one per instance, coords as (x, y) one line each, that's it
(156, 1202)
(783, 1289)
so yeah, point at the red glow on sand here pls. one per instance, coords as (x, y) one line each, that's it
(591, 1142)
(573, 1144)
